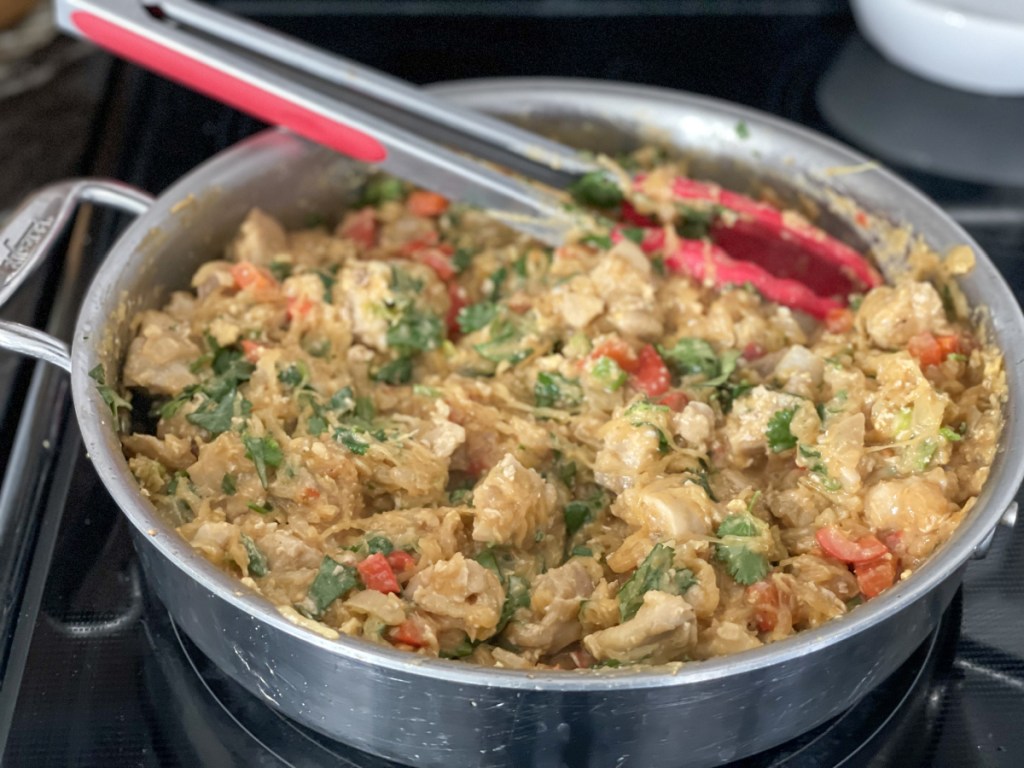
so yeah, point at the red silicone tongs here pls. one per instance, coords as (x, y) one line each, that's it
(379, 119)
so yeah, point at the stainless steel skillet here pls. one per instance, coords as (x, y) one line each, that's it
(427, 712)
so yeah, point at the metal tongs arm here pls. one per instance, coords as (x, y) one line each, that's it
(335, 102)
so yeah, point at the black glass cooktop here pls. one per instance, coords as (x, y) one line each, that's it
(92, 671)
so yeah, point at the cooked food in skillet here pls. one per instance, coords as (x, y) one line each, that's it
(420, 429)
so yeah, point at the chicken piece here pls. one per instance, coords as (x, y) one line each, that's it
(459, 594)
(213, 277)
(722, 638)
(220, 543)
(623, 279)
(259, 239)
(704, 596)
(669, 507)
(841, 448)
(160, 355)
(442, 436)
(663, 630)
(225, 455)
(892, 315)
(555, 605)
(828, 574)
(746, 428)
(917, 506)
(631, 445)
(695, 424)
(286, 552)
(173, 452)
(575, 302)
(364, 289)
(800, 371)
(512, 504)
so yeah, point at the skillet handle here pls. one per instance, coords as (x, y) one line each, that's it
(30, 235)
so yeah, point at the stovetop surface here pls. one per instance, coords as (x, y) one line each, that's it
(95, 674)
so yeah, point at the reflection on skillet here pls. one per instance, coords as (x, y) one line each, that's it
(421, 429)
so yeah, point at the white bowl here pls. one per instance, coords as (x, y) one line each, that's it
(974, 45)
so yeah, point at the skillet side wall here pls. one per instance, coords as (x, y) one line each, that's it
(442, 713)
(420, 720)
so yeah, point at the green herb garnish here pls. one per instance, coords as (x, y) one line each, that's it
(263, 452)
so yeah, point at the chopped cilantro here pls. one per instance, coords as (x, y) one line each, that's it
(517, 595)
(382, 189)
(263, 452)
(263, 509)
(328, 281)
(553, 390)
(696, 222)
(343, 401)
(809, 453)
(258, 565)
(521, 267)
(579, 512)
(476, 316)
(350, 441)
(461, 497)
(581, 552)
(461, 259)
(398, 371)
(744, 564)
(415, 331)
(497, 281)
(609, 374)
(596, 189)
(380, 544)
(658, 265)
(597, 240)
(227, 484)
(690, 356)
(742, 130)
(655, 572)
(503, 344)
(281, 270)
(634, 234)
(332, 581)
(113, 400)
(462, 650)
(316, 425)
(779, 437)
(295, 375)
(215, 415)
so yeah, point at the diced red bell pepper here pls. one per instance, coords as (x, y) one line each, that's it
(676, 400)
(875, 576)
(252, 350)
(703, 260)
(360, 226)
(400, 560)
(435, 258)
(309, 494)
(377, 574)
(248, 275)
(409, 632)
(839, 320)
(457, 299)
(424, 203)
(753, 351)
(932, 350)
(298, 306)
(651, 376)
(764, 596)
(838, 545)
(424, 240)
(617, 350)
(633, 217)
